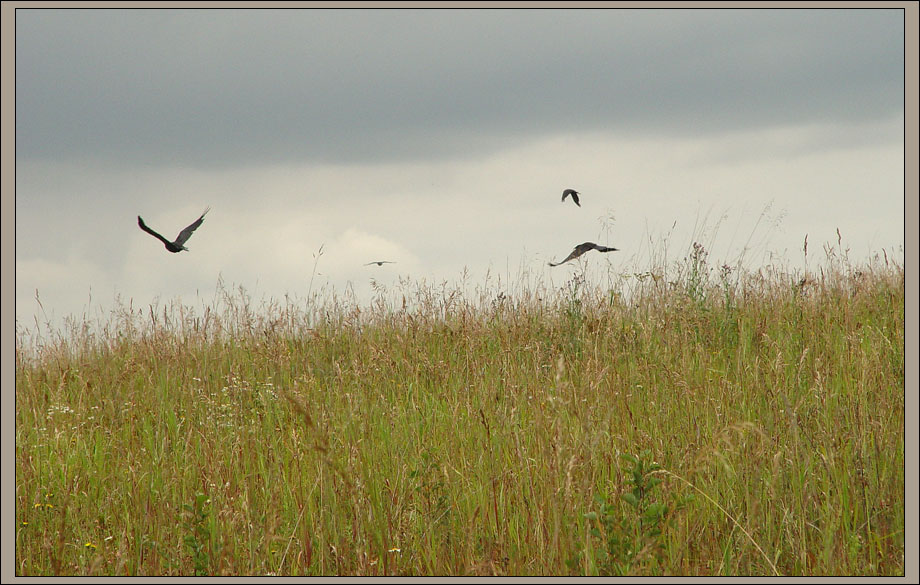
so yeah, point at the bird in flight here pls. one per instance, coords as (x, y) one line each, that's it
(380, 262)
(581, 249)
(574, 195)
(184, 235)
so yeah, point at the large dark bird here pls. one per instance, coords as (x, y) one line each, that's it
(581, 249)
(574, 195)
(183, 236)
(380, 262)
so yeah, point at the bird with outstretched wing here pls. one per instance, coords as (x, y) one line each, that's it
(581, 249)
(179, 244)
(574, 195)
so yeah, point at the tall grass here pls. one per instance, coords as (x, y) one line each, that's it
(689, 420)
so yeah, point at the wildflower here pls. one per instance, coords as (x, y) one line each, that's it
(59, 409)
(90, 546)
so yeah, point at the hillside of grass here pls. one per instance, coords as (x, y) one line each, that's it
(694, 421)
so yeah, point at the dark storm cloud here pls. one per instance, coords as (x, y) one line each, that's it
(219, 87)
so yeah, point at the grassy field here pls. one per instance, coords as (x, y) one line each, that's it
(688, 420)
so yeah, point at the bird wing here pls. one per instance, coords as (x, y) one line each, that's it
(144, 227)
(578, 251)
(185, 234)
(574, 195)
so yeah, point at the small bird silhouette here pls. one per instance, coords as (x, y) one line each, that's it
(184, 235)
(380, 262)
(581, 249)
(574, 195)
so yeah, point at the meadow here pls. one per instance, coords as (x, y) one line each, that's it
(687, 419)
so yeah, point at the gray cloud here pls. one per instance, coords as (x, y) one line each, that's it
(440, 139)
(218, 87)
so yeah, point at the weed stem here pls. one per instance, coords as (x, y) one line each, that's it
(730, 517)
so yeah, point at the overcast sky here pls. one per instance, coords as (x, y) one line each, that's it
(442, 140)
